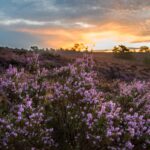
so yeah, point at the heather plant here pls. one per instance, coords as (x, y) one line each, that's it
(73, 100)
(17, 86)
(66, 109)
(135, 96)
(25, 127)
(33, 63)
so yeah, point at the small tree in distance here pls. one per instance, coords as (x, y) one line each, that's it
(144, 49)
(79, 47)
(122, 51)
(34, 48)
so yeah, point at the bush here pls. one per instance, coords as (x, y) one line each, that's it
(69, 112)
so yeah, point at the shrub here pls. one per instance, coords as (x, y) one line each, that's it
(69, 111)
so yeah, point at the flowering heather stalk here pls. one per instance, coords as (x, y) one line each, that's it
(65, 109)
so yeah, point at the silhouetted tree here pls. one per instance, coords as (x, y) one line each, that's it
(116, 49)
(122, 51)
(34, 48)
(144, 49)
(79, 47)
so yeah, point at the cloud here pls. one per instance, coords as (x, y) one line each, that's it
(17, 39)
(78, 20)
(21, 21)
(141, 41)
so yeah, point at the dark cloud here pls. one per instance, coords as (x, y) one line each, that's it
(72, 10)
(68, 9)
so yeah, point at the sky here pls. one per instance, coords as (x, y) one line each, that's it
(101, 24)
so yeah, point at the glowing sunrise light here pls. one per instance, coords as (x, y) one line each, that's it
(63, 23)
(103, 40)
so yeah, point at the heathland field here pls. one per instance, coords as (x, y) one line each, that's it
(65, 100)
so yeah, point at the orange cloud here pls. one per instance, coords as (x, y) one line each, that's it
(101, 35)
